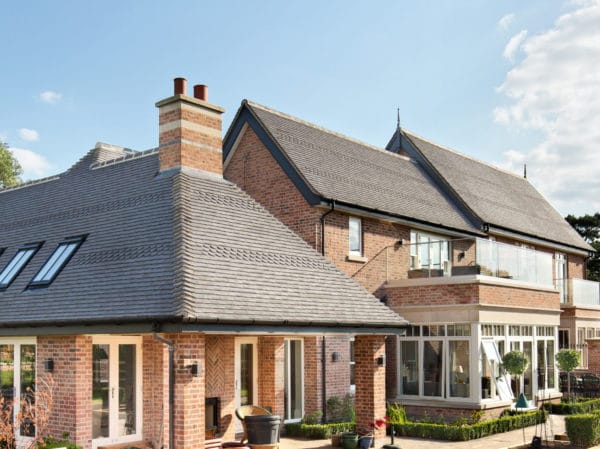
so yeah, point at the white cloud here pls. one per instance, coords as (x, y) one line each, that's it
(50, 97)
(34, 165)
(514, 44)
(29, 135)
(554, 91)
(506, 21)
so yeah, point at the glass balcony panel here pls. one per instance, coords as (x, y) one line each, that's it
(584, 293)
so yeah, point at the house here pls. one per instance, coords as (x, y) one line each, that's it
(472, 256)
(159, 296)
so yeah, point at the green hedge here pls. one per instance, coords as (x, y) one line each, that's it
(318, 431)
(583, 430)
(575, 408)
(470, 431)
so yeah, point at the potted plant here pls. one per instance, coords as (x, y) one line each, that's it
(349, 440)
(515, 363)
(366, 438)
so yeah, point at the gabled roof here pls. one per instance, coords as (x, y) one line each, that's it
(499, 198)
(180, 246)
(329, 166)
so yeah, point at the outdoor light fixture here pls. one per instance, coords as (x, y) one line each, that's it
(335, 356)
(461, 256)
(194, 369)
(380, 361)
(49, 365)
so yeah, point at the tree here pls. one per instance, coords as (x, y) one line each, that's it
(567, 360)
(10, 169)
(515, 363)
(588, 226)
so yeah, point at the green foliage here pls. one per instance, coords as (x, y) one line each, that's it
(10, 169)
(588, 226)
(340, 410)
(567, 359)
(51, 443)
(583, 430)
(396, 413)
(465, 432)
(515, 363)
(570, 408)
(313, 417)
(318, 431)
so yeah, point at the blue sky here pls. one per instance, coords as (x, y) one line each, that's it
(507, 82)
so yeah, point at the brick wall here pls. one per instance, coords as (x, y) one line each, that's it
(189, 390)
(156, 391)
(72, 374)
(270, 377)
(312, 374)
(593, 348)
(370, 383)
(471, 294)
(255, 171)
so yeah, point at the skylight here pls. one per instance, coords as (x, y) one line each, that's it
(57, 261)
(17, 263)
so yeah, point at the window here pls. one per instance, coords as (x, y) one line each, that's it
(17, 263)
(355, 236)
(429, 251)
(57, 261)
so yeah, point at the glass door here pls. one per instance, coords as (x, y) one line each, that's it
(246, 365)
(294, 380)
(17, 381)
(116, 390)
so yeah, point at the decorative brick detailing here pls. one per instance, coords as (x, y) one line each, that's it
(72, 373)
(220, 380)
(190, 134)
(370, 383)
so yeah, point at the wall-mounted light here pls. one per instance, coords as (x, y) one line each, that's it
(335, 356)
(384, 299)
(49, 365)
(380, 361)
(461, 256)
(194, 369)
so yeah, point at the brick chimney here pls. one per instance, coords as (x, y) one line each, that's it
(190, 130)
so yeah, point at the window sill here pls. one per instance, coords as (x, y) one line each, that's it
(356, 258)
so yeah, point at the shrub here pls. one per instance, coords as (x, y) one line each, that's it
(396, 413)
(466, 432)
(340, 410)
(313, 417)
(318, 431)
(51, 443)
(583, 430)
(574, 408)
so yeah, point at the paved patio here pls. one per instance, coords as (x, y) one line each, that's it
(555, 425)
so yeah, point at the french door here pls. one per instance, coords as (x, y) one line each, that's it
(116, 390)
(17, 379)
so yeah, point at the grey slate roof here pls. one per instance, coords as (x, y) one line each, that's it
(340, 168)
(181, 245)
(498, 197)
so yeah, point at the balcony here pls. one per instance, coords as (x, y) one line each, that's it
(583, 293)
(493, 259)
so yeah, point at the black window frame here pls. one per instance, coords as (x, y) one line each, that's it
(28, 246)
(78, 239)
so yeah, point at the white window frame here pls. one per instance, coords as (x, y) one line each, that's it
(354, 252)
(352, 363)
(415, 245)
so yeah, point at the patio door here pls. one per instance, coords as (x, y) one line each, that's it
(17, 380)
(116, 390)
(246, 373)
(294, 380)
